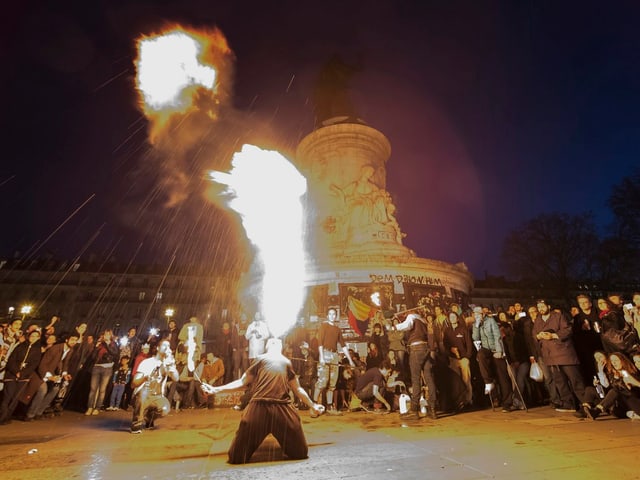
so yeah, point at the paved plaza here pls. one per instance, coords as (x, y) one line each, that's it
(192, 444)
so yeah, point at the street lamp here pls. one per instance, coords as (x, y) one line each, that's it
(25, 310)
(169, 313)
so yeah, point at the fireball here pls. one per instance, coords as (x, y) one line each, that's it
(174, 66)
(272, 217)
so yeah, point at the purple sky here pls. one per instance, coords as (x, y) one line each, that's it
(496, 111)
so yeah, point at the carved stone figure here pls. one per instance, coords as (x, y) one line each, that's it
(364, 204)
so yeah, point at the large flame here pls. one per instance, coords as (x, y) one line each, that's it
(266, 189)
(174, 65)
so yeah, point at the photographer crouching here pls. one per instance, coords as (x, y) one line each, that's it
(149, 385)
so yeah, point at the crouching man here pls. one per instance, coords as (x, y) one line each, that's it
(270, 410)
(149, 385)
(372, 385)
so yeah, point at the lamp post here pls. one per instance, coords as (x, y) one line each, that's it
(25, 310)
(169, 313)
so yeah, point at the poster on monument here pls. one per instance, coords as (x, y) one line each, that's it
(362, 292)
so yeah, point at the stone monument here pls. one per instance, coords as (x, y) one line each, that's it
(354, 239)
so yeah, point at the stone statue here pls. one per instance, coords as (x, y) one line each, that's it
(331, 95)
(364, 205)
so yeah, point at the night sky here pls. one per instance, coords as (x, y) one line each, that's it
(496, 112)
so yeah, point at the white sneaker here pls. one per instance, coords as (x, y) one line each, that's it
(95, 411)
(89, 411)
(633, 415)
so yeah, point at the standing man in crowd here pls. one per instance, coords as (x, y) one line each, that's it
(225, 350)
(171, 333)
(491, 360)
(21, 364)
(329, 340)
(458, 344)
(270, 410)
(54, 368)
(553, 334)
(423, 351)
(256, 334)
(586, 336)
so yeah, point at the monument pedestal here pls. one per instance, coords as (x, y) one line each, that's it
(355, 241)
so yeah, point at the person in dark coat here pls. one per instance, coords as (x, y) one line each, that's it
(53, 370)
(21, 364)
(554, 336)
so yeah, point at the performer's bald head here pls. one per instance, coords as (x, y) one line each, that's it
(274, 345)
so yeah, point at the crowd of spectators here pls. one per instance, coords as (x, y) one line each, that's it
(44, 372)
(585, 361)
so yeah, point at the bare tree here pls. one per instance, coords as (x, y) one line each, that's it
(552, 249)
(624, 202)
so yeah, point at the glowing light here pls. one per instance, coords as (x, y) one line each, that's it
(169, 312)
(26, 309)
(265, 189)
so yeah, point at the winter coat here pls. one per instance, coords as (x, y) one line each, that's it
(558, 351)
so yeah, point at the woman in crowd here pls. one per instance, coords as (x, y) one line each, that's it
(617, 335)
(599, 385)
(624, 379)
(106, 353)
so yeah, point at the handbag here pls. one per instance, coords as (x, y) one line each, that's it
(616, 340)
(535, 372)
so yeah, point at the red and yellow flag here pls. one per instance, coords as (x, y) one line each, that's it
(359, 315)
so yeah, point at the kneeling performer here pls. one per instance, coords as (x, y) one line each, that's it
(270, 410)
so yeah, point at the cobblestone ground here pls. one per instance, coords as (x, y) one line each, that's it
(192, 444)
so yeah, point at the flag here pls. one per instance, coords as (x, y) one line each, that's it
(359, 315)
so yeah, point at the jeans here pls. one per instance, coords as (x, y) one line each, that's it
(492, 368)
(568, 381)
(100, 377)
(421, 364)
(461, 367)
(43, 398)
(554, 398)
(116, 395)
(147, 407)
(12, 391)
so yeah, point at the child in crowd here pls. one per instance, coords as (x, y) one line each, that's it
(120, 380)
